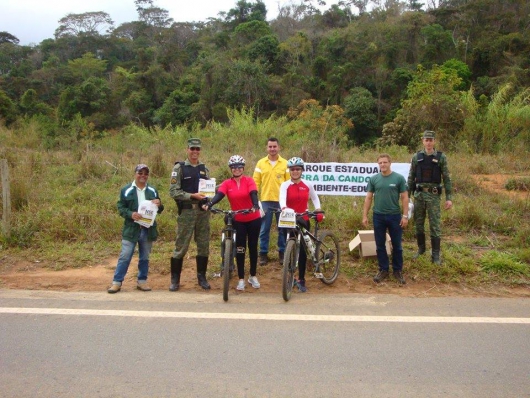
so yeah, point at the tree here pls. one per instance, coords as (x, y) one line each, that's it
(361, 107)
(438, 44)
(86, 99)
(325, 129)
(177, 108)
(8, 110)
(152, 15)
(87, 66)
(432, 102)
(32, 105)
(248, 85)
(361, 5)
(91, 23)
(246, 11)
(6, 37)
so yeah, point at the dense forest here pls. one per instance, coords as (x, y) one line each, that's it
(383, 70)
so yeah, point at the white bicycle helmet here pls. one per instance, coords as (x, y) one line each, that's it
(236, 161)
(295, 162)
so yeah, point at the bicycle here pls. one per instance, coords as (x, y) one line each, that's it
(228, 246)
(322, 250)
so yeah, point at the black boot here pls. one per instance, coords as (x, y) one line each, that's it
(202, 264)
(420, 238)
(176, 269)
(435, 243)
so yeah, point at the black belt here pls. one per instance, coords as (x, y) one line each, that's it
(433, 190)
(189, 206)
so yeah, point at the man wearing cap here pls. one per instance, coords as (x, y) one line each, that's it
(192, 219)
(428, 177)
(131, 196)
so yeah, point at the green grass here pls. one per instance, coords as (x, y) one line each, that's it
(64, 200)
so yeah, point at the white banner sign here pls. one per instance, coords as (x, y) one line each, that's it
(346, 179)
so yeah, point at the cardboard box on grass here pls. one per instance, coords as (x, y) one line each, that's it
(365, 239)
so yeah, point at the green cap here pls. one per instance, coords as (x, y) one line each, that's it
(194, 142)
(428, 134)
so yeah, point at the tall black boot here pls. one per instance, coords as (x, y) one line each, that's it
(420, 238)
(202, 264)
(435, 243)
(176, 269)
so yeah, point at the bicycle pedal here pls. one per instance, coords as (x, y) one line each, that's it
(319, 275)
(217, 274)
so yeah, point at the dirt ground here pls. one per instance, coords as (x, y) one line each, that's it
(33, 276)
(36, 276)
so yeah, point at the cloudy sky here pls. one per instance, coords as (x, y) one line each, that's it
(32, 21)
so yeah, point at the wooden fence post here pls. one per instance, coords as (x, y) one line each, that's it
(6, 196)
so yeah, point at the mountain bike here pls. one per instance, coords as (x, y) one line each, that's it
(228, 246)
(322, 250)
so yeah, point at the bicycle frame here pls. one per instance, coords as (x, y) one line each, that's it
(228, 240)
(298, 231)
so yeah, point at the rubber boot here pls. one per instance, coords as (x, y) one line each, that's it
(176, 269)
(420, 238)
(202, 264)
(435, 243)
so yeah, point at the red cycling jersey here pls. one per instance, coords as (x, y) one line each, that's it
(296, 196)
(239, 196)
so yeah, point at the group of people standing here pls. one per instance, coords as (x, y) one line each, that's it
(276, 184)
(271, 178)
(428, 178)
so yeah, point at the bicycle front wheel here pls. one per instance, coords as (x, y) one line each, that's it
(227, 265)
(328, 257)
(289, 267)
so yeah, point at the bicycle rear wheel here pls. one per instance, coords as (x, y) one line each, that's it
(227, 266)
(328, 257)
(289, 267)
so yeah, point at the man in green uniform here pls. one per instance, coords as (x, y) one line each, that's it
(429, 176)
(184, 189)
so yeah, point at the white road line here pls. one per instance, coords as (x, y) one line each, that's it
(264, 317)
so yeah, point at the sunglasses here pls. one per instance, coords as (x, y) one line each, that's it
(195, 148)
(237, 167)
(296, 169)
(141, 173)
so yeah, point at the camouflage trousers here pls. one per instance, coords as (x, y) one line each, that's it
(192, 222)
(427, 204)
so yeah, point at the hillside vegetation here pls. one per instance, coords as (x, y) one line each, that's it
(388, 68)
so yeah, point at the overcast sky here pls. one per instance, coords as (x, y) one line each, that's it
(32, 21)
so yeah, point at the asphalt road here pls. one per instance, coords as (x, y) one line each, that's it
(163, 344)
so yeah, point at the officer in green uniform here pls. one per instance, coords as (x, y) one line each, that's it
(428, 178)
(192, 219)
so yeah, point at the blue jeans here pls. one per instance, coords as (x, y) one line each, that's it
(127, 251)
(266, 223)
(390, 222)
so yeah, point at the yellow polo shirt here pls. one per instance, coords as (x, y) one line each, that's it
(269, 177)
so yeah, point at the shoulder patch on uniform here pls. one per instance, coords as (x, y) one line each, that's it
(174, 174)
(173, 181)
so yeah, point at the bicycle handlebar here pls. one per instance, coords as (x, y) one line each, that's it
(231, 212)
(311, 214)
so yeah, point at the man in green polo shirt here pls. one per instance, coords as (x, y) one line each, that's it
(388, 188)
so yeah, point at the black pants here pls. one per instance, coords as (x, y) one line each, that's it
(247, 233)
(302, 258)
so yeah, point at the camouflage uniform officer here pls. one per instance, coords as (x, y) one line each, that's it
(184, 188)
(427, 172)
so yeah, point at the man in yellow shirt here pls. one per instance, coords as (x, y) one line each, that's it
(270, 172)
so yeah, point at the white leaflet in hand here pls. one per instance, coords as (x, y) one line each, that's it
(148, 211)
(287, 218)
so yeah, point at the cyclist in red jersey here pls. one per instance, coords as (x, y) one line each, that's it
(295, 194)
(242, 194)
